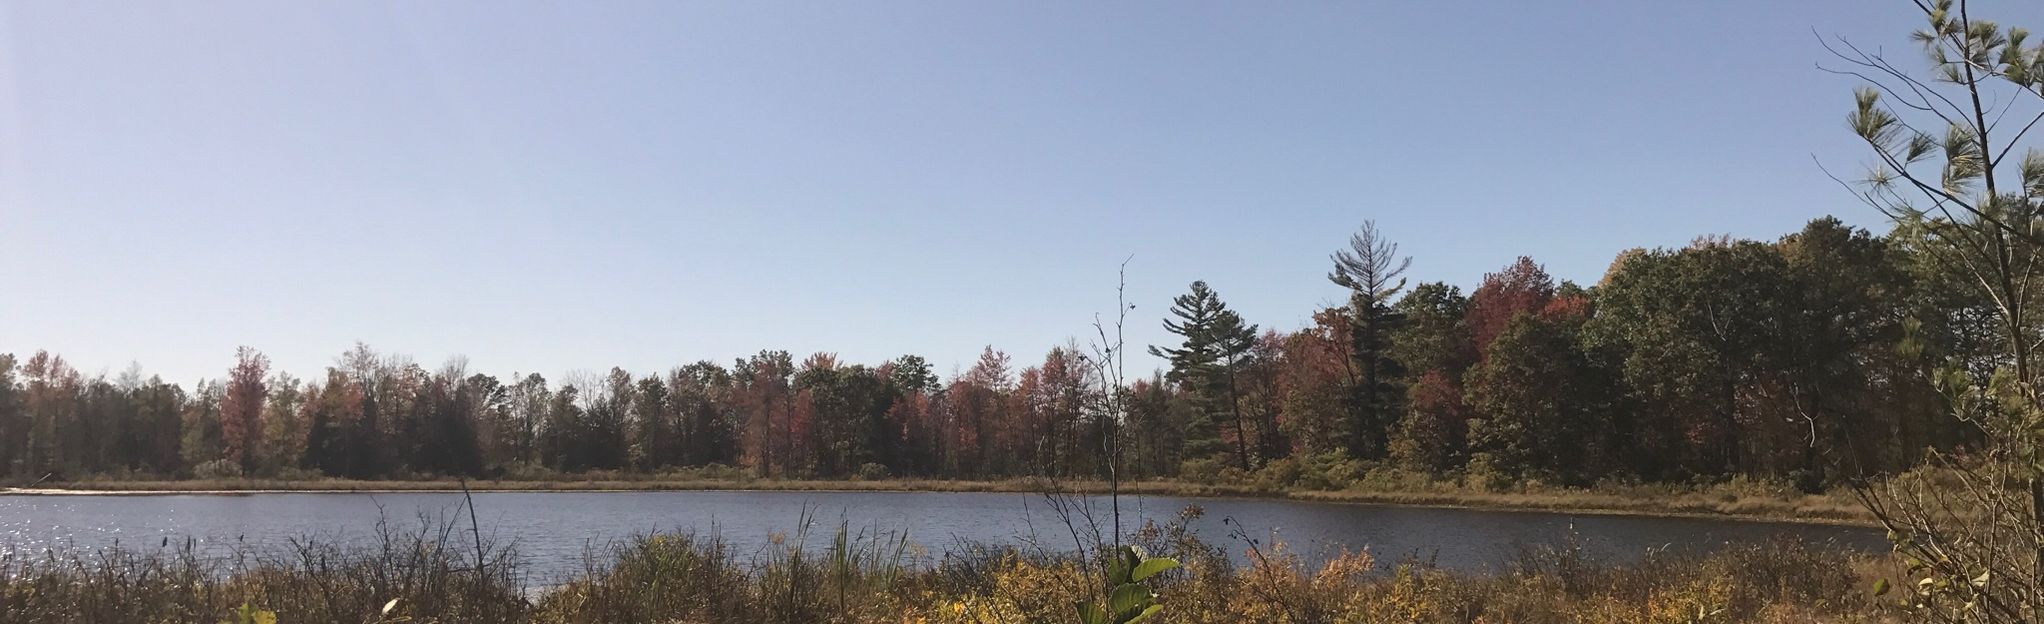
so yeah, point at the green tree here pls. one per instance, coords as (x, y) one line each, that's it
(848, 408)
(1540, 404)
(330, 410)
(701, 393)
(488, 410)
(1432, 334)
(1432, 342)
(201, 434)
(284, 428)
(655, 432)
(448, 409)
(159, 414)
(1205, 364)
(1840, 381)
(912, 373)
(1700, 331)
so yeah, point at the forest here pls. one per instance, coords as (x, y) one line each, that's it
(1812, 359)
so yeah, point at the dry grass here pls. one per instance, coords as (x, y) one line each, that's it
(852, 579)
(426, 574)
(1810, 508)
(1728, 501)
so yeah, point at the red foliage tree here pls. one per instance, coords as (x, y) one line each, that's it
(979, 402)
(1436, 424)
(241, 408)
(1313, 375)
(1522, 288)
(764, 400)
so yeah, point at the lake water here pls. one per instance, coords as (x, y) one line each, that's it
(554, 531)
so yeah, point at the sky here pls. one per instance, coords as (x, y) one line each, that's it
(562, 187)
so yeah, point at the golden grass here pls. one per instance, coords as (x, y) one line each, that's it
(429, 577)
(1679, 501)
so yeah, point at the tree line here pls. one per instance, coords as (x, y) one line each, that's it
(1812, 358)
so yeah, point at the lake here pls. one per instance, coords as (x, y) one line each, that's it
(554, 531)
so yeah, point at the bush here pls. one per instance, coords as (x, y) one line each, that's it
(1484, 475)
(1743, 485)
(1387, 479)
(1277, 474)
(870, 471)
(1331, 470)
(655, 578)
(527, 471)
(1204, 471)
(722, 472)
(217, 469)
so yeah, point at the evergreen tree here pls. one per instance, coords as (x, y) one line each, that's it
(1204, 364)
(1371, 270)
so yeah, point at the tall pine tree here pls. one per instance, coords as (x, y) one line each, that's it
(1216, 344)
(1371, 270)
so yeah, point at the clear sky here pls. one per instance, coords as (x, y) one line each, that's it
(557, 187)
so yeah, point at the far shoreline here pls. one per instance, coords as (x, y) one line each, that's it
(1645, 501)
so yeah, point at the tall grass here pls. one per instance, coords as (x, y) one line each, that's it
(852, 576)
(426, 571)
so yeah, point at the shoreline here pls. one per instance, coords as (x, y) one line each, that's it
(1818, 510)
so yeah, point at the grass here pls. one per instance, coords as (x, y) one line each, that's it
(430, 575)
(1733, 500)
(423, 571)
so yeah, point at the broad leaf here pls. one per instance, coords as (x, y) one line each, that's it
(1091, 613)
(1129, 599)
(1145, 614)
(1120, 562)
(1151, 567)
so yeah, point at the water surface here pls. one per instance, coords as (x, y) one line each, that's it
(555, 531)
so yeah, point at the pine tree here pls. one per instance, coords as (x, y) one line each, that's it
(1216, 341)
(1370, 269)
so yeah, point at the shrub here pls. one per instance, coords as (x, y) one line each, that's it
(722, 472)
(654, 578)
(1484, 475)
(1388, 479)
(1277, 474)
(1204, 471)
(870, 471)
(1330, 470)
(217, 469)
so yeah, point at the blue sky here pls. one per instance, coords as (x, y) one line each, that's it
(556, 187)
